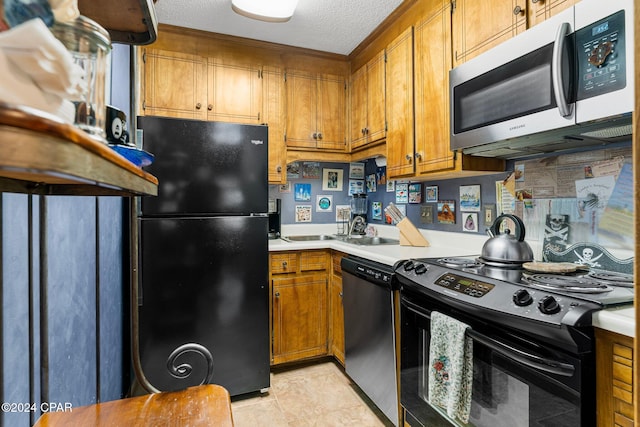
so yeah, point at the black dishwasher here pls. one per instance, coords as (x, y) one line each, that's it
(369, 334)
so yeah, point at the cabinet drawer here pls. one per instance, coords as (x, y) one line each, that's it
(313, 261)
(284, 263)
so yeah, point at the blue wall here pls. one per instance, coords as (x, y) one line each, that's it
(448, 190)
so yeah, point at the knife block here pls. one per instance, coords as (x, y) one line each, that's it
(410, 235)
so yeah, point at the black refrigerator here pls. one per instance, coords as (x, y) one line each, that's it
(203, 256)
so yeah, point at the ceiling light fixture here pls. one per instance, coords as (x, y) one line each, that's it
(265, 10)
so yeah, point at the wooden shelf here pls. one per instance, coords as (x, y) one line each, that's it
(127, 21)
(41, 154)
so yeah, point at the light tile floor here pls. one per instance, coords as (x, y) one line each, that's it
(316, 394)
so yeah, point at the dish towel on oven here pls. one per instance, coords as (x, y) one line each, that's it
(450, 366)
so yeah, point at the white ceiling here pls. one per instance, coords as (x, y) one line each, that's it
(336, 26)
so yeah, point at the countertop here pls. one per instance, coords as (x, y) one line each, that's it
(618, 319)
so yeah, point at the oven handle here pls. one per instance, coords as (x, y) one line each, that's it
(531, 360)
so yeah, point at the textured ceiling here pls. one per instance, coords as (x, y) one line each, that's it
(336, 26)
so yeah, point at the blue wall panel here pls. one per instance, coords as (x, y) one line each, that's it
(111, 297)
(71, 299)
(15, 306)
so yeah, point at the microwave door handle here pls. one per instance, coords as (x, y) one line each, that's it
(556, 70)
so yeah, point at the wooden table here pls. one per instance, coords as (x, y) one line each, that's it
(205, 405)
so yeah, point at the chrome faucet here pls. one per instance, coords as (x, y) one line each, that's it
(356, 220)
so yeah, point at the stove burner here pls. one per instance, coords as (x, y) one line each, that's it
(613, 278)
(579, 284)
(455, 262)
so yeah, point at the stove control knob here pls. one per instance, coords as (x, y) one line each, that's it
(409, 266)
(421, 268)
(549, 305)
(522, 298)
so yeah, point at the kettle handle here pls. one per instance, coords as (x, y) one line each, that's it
(495, 227)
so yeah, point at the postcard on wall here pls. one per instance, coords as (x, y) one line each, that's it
(356, 186)
(302, 192)
(402, 192)
(431, 193)
(593, 195)
(324, 203)
(303, 213)
(447, 212)
(470, 198)
(415, 193)
(470, 221)
(376, 210)
(617, 218)
(293, 170)
(343, 213)
(356, 170)
(391, 186)
(381, 175)
(332, 179)
(372, 186)
(311, 170)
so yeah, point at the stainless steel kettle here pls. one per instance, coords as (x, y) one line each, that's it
(503, 248)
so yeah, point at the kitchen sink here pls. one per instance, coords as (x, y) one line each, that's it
(367, 240)
(308, 238)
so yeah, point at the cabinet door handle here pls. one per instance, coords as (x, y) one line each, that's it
(278, 169)
(319, 135)
(277, 294)
(315, 135)
(340, 294)
(518, 10)
(210, 107)
(409, 157)
(198, 106)
(284, 265)
(418, 156)
(362, 131)
(536, 1)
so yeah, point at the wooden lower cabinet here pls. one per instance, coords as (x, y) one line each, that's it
(336, 309)
(299, 305)
(614, 379)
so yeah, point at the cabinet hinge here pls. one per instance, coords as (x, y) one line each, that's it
(385, 56)
(453, 6)
(285, 76)
(144, 56)
(285, 138)
(144, 105)
(455, 155)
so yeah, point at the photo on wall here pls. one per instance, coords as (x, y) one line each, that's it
(303, 213)
(415, 193)
(356, 170)
(311, 170)
(446, 212)
(470, 221)
(302, 192)
(332, 179)
(324, 203)
(376, 210)
(431, 193)
(372, 186)
(470, 198)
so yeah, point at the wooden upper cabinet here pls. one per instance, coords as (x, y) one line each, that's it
(315, 110)
(540, 10)
(432, 65)
(479, 25)
(194, 87)
(174, 84)
(273, 117)
(234, 92)
(367, 90)
(399, 106)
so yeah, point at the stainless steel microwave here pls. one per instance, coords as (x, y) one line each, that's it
(566, 83)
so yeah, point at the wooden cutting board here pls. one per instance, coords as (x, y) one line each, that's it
(553, 267)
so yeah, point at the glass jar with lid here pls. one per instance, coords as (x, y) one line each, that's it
(90, 46)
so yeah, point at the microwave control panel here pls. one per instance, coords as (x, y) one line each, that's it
(600, 50)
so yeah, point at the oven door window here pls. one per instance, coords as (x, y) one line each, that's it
(505, 393)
